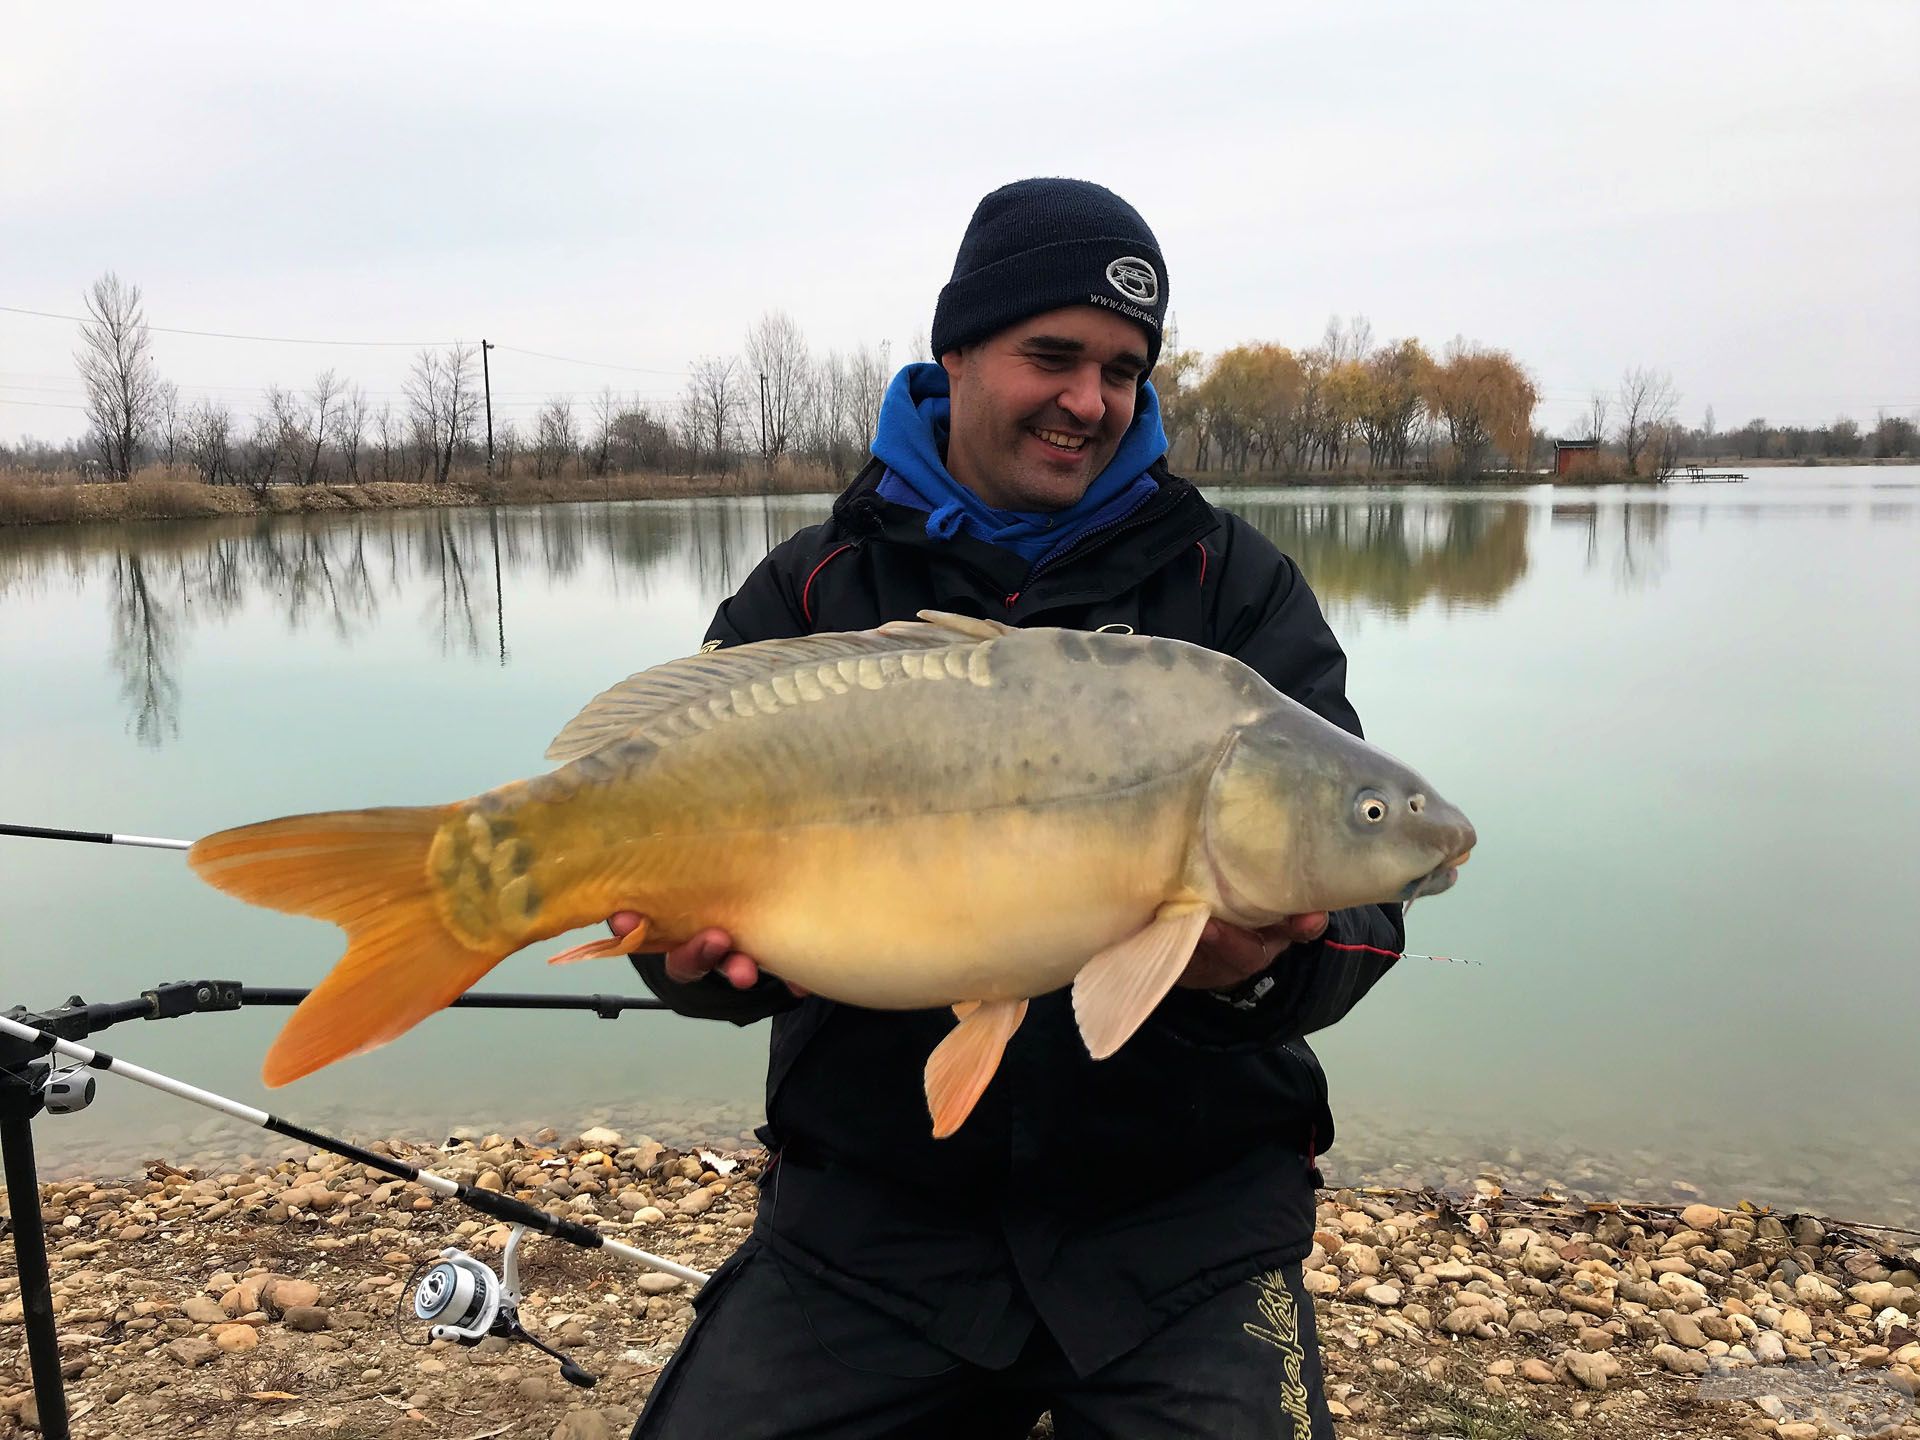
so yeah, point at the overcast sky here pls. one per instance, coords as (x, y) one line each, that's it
(1727, 191)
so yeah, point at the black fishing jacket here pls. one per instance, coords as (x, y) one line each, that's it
(1102, 1197)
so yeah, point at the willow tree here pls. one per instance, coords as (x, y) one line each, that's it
(1397, 377)
(1486, 401)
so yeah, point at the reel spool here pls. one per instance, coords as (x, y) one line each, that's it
(459, 1298)
(67, 1091)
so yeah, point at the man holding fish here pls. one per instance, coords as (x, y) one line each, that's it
(1118, 1241)
(1031, 779)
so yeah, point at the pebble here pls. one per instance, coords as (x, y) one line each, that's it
(192, 1350)
(281, 1294)
(1536, 1371)
(1684, 1329)
(657, 1282)
(307, 1319)
(1796, 1325)
(1385, 1296)
(1680, 1362)
(234, 1338)
(1592, 1371)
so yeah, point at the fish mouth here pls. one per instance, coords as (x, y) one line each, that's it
(1436, 880)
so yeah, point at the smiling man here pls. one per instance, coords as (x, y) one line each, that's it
(1118, 1242)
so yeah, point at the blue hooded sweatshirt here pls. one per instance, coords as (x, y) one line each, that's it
(911, 436)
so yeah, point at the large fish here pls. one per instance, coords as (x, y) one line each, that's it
(938, 812)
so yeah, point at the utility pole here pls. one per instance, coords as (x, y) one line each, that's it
(763, 417)
(486, 380)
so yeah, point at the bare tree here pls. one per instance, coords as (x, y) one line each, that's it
(350, 431)
(1664, 441)
(207, 439)
(711, 407)
(603, 411)
(777, 362)
(506, 446)
(554, 437)
(443, 404)
(277, 453)
(1647, 400)
(326, 390)
(1598, 404)
(871, 370)
(168, 417)
(640, 439)
(123, 389)
(389, 436)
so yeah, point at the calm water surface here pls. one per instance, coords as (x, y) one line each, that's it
(1684, 722)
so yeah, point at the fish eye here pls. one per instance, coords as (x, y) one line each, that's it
(1371, 807)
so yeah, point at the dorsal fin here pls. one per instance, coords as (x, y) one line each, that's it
(978, 629)
(618, 711)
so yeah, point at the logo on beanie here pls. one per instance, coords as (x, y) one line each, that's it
(1134, 278)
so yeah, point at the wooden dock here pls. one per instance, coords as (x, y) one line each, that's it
(1694, 475)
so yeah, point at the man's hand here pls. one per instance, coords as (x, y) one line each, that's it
(1227, 955)
(709, 951)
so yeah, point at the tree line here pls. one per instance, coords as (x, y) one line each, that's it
(1348, 403)
(1345, 404)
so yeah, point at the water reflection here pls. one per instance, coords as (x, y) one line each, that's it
(464, 566)
(1630, 539)
(1393, 555)
(145, 642)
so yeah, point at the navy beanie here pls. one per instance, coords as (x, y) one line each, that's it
(1038, 245)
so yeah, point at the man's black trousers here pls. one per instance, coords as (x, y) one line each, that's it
(773, 1353)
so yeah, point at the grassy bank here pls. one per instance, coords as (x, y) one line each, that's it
(161, 494)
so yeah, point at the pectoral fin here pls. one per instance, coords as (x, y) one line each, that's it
(631, 943)
(961, 1065)
(1119, 987)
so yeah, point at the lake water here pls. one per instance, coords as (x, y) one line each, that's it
(1683, 720)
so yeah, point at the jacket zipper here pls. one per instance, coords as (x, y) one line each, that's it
(1100, 534)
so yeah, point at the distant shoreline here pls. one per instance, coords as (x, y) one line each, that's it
(158, 495)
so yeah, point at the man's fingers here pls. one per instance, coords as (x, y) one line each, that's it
(698, 957)
(1301, 929)
(623, 921)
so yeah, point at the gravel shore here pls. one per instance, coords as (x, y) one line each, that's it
(268, 1299)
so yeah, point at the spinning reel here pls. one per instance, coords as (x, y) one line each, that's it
(465, 1302)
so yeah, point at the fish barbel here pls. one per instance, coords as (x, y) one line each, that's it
(938, 812)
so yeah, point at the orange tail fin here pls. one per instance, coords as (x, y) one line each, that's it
(365, 870)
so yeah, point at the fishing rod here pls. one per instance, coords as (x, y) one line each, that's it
(93, 837)
(40, 832)
(461, 1298)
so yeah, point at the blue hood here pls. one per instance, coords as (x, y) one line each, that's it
(912, 433)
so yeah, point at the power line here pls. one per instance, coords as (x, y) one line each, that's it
(598, 364)
(264, 339)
